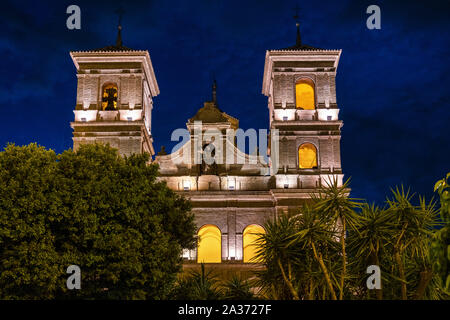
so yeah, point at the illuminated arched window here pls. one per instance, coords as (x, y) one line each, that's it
(307, 156)
(250, 235)
(209, 245)
(109, 97)
(304, 94)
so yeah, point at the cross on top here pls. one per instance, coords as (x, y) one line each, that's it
(296, 17)
(120, 11)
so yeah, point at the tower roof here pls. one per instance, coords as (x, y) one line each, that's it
(113, 48)
(210, 112)
(301, 47)
(119, 44)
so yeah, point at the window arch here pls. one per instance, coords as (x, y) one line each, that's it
(109, 97)
(304, 94)
(209, 249)
(307, 156)
(250, 235)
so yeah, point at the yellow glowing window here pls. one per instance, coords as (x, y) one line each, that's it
(109, 97)
(251, 234)
(307, 156)
(209, 245)
(304, 95)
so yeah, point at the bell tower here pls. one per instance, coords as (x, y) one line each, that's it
(299, 82)
(115, 91)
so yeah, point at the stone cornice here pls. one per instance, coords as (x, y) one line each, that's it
(305, 51)
(141, 56)
(295, 55)
(106, 123)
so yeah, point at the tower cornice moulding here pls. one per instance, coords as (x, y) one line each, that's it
(143, 57)
(294, 55)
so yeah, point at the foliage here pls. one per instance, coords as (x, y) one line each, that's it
(323, 250)
(296, 251)
(28, 257)
(305, 251)
(396, 238)
(206, 285)
(333, 203)
(199, 285)
(440, 249)
(237, 289)
(94, 209)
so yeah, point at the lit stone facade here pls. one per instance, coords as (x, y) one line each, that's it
(255, 197)
(238, 192)
(319, 127)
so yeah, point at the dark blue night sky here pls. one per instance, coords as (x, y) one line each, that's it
(392, 84)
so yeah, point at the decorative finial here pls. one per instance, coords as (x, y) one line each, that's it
(297, 24)
(120, 12)
(162, 152)
(214, 92)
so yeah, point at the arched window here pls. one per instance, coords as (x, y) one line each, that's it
(250, 235)
(307, 156)
(109, 97)
(304, 94)
(209, 245)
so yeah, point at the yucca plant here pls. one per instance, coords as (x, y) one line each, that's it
(271, 284)
(198, 285)
(237, 289)
(274, 251)
(315, 236)
(334, 202)
(412, 232)
(367, 245)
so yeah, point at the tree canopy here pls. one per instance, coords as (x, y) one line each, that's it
(92, 208)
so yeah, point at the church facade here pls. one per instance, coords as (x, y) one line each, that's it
(232, 193)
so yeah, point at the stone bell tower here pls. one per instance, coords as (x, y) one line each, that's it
(299, 82)
(115, 91)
